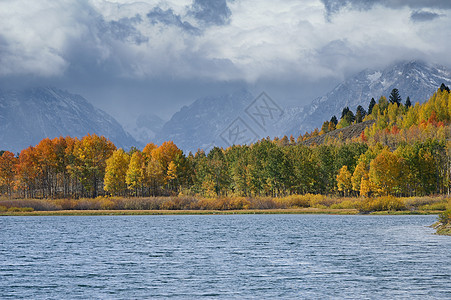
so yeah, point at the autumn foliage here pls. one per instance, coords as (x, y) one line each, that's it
(406, 152)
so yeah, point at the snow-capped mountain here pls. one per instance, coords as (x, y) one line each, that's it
(214, 121)
(27, 116)
(415, 79)
(201, 125)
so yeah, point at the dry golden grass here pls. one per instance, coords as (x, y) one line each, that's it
(298, 203)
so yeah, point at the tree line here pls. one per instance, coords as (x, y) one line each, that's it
(406, 152)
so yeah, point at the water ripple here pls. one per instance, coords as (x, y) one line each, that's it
(230, 257)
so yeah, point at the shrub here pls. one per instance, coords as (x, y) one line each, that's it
(425, 203)
(445, 217)
(36, 204)
(321, 201)
(107, 204)
(87, 204)
(263, 203)
(239, 203)
(207, 203)
(381, 204)
(433, 206)
(20, 209)
(294, 201)
(346, 204)
(177, 203)
(66, 204)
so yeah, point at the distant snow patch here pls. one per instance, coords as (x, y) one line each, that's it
(375, 76)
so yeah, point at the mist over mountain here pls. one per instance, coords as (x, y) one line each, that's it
(30, 115)
(145, 128)
(201, 124)
(415, 79)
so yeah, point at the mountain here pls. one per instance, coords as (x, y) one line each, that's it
(27, 116)
(145, 128)
(202, 124)
(415, 79)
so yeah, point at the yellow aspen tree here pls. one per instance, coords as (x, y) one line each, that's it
(344, 180)
(115, 173)
(135, 172)
(171, 173)
(386, 173)
(359, 172)
(365, 186)
(155, 173)
(90, 155)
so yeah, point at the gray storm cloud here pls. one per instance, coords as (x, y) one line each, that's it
(211, 12)
(423, 16)
(204, 39)
(156, 53)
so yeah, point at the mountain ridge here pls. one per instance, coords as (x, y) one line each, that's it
(29, 115)
(415, 79)
(200, 124)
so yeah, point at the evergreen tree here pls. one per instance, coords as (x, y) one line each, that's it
(395, 97)
(344, 112)
(349, 117)
(370, 107)
(358, 117)
(334, 120)
(360, 114)
(443, 87)
(408, 103)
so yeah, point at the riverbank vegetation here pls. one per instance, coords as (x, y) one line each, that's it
(305, 203)
(443, 226)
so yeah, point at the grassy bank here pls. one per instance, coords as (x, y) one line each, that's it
(208, 212)
(442, 229)
(294, 204)
(180, 212)
(443, 226)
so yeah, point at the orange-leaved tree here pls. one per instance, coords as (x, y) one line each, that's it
(8, 163)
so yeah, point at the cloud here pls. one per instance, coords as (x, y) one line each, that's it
(334, 6)
(423, 16)
(211, 12)
(168, 17)
(124, 30)
(101, 41)
(161, 54)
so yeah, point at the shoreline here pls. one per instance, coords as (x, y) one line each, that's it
(442, 229)
(316, 211)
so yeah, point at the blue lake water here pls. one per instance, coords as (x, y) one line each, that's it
(223, 256)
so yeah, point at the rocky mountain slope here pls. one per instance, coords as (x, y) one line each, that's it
(201, 124)
(27, 116)
(347, 133)
(206, 122)
(415, 79)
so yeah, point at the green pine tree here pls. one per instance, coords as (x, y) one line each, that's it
(395, 97)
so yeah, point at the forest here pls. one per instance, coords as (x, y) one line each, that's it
(405, 152)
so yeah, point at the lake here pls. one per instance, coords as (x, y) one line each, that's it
(223, 256)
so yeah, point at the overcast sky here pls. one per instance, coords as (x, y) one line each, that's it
(128, 57)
